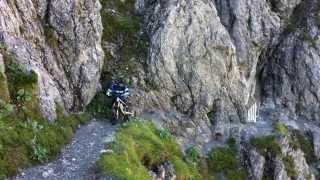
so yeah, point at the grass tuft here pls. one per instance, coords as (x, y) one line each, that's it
(138, 147)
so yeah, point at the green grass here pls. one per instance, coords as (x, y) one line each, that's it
(17, 145)
(281, 129)
(25, 137)
(138, 147)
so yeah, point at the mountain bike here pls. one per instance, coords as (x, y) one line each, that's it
(120, 111)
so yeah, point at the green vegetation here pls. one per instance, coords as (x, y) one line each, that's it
(280, 129)
(304, 142)
(24, 142)
(266, 144)
(100, 106)
(122, 28)
(289, 165)
(224, 160)
(221, 159)
(138, 147)
(193, 154)
(25, 137)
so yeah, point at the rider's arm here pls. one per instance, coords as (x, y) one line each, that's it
(109, 92)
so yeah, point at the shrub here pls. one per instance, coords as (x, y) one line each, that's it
(222, 159)
(266, 144)
(280, 128)
(137, 148)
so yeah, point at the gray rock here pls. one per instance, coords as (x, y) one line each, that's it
(210, 60)
(291, 74)
(61, 42)
(256, 165)
(316, 143)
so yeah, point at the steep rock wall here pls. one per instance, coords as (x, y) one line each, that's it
(61, 42)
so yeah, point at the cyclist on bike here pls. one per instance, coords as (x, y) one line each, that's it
(118, 90)
(119, 94)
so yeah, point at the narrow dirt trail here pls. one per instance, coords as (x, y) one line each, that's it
(78, 158)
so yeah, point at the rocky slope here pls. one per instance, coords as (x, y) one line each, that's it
(61, 42)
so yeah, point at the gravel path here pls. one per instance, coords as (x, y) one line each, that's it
(78, 158)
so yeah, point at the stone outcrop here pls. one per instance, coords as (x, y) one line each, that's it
(61, 42)
(276, 165)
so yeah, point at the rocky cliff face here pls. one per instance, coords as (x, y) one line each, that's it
(290, 75)
(211, 60)
(61, 42)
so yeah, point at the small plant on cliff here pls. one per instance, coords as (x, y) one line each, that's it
(193, 154)
(280, 128)
(266, 144)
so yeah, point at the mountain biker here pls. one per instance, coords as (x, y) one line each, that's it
(118, 90)
(119, 93)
